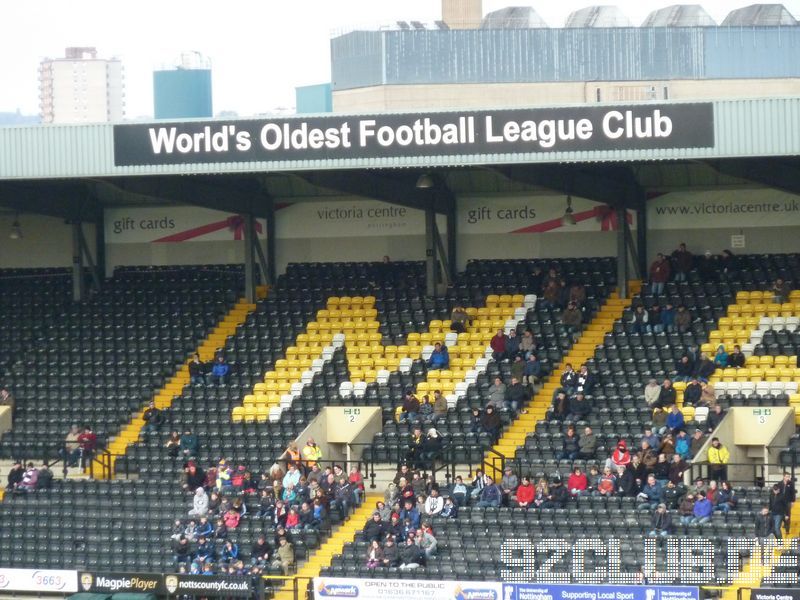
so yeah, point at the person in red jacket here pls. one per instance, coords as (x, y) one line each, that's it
(498, 344)
(620, 457)
(659, 274)
(526, 493)
(577, 482)
(87, 442)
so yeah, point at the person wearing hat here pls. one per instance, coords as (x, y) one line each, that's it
(508, 484)
(661, 523)
(311, 453)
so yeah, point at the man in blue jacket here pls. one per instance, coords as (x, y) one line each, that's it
(675, 421)
(220, 372)
(652, 494)
(440, 358)
(491, 496)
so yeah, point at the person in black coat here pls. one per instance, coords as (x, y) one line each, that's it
(778, 510)
(626, 483)
(490, 422)
(691, 395)
(375, 529)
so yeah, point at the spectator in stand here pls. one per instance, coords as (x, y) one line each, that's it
(498, 345)
(586, 381)
(570, 446)
(647, 456)
(684, 370)
(659, 275)
(508, 485)
(725, 499)
(763, 523)
(650, 437)
(606, 484)
(542, 493)
(569, 379)
(672, 495)
(703, 509)
(311, 453)
(491, 495)
(434, 503)
(490, 423)
(683, 320)
(431, 448)
(189, 444)
(639, 320)
(667, 396)
(284, 557)
(560, 406)
(781, 290)
(391, 556)
(677, 468)
(459, 492)
(551, 292)
(667, 320)
(197, 370)
(88, 444)
(661, 469)
(459, 319)
(572, 317)
(654, 319)
(692, 392)
(627, 483)
(173, 444)
(260, 551)
(727, 265)
(682, 260)
(704, 368)
(497, 393)
(153, 419)
(426, 410)
(697, 442)
(527, 344)
(231, 519)
(532, 372)
(518, 397)
(71, 452)
(220, 372)
(30, 479)
(683, 446)
(559, 495)
(707, 267)
(721, 357)
(661, 523)
(790, 495)
(193, 476)
(411, 555)
(517, 368)
(512, 345)
(686, 509)
(708, 396)
(718, 458)
(736, 359)
(577, 483)
(779, 509)
(620, 457)
(182, 551)
(579, 408)
(440, 407)
(587, 444)
(577, 294)
(526, 493)
(374, 555)
(7, 399)
(375, 530)
(475, 421)
(675, 420)
(667, 444)
(440, 358)
(410, 407)
(652, 391)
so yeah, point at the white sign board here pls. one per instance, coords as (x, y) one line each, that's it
(402, 589)
(38, 580)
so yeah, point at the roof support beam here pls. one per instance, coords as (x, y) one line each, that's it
(615, 186)
(779, 173)
(394, 188)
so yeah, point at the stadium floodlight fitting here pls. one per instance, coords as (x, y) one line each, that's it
(569, 217)
(425, 181)
(16, 230)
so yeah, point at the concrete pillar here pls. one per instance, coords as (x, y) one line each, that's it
(271, 258)
(641, 237)
(452, 246)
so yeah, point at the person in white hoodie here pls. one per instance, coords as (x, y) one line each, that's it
(199, 503)
(434, 503)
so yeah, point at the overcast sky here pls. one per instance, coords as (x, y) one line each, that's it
(260, 49)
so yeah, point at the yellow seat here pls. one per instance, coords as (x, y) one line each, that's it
(237, 415)
(323, 316)
(333, 302)
(781, 361)
(249, 414)
(726, 322)
(742, 297)
(259, 388)
(262, 414)
(249, 399)
(262, 399)
(735, 310)
(765, 361)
